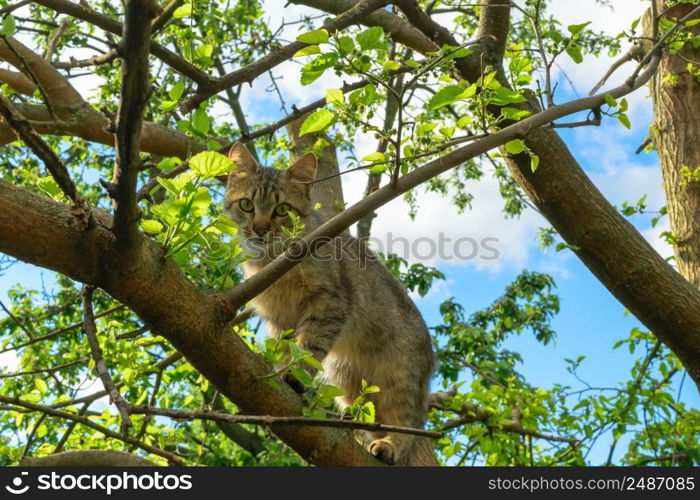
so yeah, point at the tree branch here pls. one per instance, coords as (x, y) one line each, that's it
(101, 369)
(253, 70)
(275, 422)
(135, 90)
(106, 23)
(81, 419)
(51, 161)
(235, 297)
(87, 458)
(400, 30)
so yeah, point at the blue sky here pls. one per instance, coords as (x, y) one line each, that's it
(591, 320)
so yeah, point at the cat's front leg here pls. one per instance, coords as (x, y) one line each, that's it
(321, 323)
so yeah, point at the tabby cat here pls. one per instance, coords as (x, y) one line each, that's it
(344, 307)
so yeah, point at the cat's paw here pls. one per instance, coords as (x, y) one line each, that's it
(294, 383)
(384, 450)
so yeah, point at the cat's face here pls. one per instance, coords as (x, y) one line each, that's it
(260, 199)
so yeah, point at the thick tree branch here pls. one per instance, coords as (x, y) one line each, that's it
(88, 458)
(135, 90)
(329, 194)
(400, 30)
(236, 297)
(605, 242)
(38, 230)
(58, 90)
(18, 81)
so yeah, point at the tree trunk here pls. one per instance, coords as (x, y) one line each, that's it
(676, 134)
(328, 192)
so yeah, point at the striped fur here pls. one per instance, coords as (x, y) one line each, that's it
(345, 307)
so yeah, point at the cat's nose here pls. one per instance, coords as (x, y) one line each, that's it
(261, 227)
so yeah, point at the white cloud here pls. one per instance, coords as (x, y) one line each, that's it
(10, 361)
(602, 18)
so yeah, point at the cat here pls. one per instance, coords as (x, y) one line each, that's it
(343, 305)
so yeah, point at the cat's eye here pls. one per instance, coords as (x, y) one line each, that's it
(245, 204)
(282, 209)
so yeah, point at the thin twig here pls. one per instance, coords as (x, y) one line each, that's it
(53, 43)
(44, 370)
(269, 420)
(59, 331)
(90, 330)
(84, 420)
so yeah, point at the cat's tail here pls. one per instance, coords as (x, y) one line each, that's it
(422, 453)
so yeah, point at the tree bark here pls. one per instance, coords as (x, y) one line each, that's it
(675, 133)
(45, 233)
(328, 192)
(88, 458)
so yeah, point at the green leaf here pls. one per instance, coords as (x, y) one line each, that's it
(610, 101)
(514, 114)
(200, 121)
(575, 29)
(302, 375)
(167, 105)
(200, 202)
(314, 37)
(346, 44)
(392, 65)
(169, 163)
(151, 226)
(376, 156)
(48, 185)
(515, 146)
(503, 96)
(32, 397)
(371, 38)
(308, 51)
(205, 50)
(208, 164)
(313, 362)
(378, 169)
(317, 122)
(41, 385)
(183, 11)
(312, 70)
(226, 225)
(454, 52)
(623, 118)
(335, 96)
(177, 90)
(364, 96)
(330, 391)
(448, 95)
(534, 162)
(8, 26)
(368, 412)
(574, 52)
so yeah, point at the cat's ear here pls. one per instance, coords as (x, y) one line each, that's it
(304, 169)
(245, 162)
